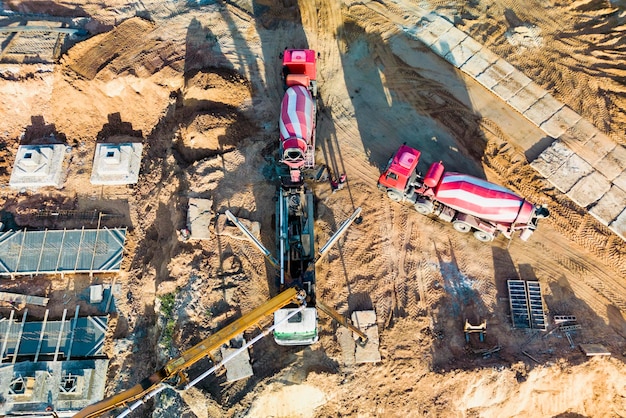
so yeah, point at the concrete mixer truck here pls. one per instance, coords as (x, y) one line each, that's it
(469, 203)
(298, 112)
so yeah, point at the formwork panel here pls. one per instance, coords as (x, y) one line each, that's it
(520, 315)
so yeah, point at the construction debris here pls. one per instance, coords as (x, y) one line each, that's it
(481, 329)
(17, 298)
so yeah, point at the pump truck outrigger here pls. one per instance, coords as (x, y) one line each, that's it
(469, 203)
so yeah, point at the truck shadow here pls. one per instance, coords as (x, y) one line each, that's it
(425, 97)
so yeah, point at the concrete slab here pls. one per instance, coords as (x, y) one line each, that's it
(238, 367)
(560, 122)
(589, 189)
(510, 85)
(430, 28)
(610, 205)
(496, 72)
(594, 350)
(619, 225)
(596, 148)
(570, 172)
(461, 53)
(366, 322)
(348, 345)
(614, 163)
(526, 97)
(450, 40)
(19, 298)
(116, 164)
(620, 181)
(581, 132)
(543, 110)
(479, 62)
(96, 293)
(552, 158)
(38, 166)
(199, 217)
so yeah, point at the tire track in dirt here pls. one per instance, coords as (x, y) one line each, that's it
(571, 221)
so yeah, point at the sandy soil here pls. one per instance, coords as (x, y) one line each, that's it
(199, 83)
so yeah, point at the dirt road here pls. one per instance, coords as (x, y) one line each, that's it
(200, 84)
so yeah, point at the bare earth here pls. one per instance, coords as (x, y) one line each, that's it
(199, 83)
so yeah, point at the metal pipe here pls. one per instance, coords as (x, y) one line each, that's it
(252, 238)
(281, 221)
(342, 229)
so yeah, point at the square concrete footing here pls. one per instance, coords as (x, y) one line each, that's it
(38, 166)
(116, 164)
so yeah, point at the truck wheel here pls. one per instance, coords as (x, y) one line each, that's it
(483, 236)
(394, 195)
(461, 226)
(425, 208)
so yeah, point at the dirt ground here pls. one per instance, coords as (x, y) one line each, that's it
(199, 83)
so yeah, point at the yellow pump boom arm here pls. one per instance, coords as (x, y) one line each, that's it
(192, 355)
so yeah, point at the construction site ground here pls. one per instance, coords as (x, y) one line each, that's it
(199, 84)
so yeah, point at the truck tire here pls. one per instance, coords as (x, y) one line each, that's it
(483, 236)
(394, 195)
(423, 207)
(462, 226)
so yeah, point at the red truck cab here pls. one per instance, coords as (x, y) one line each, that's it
(400, 169)
(299, 67)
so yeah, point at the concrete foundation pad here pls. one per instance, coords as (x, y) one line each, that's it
(479, 62)
(619, 225)
(496, 72)
(451, 39)
(461, 53)
(560, 122)
(570, 172)
(199, 217)
(38, 166)
(431, 27)
(614, 163)
(366, 322)
(610, 205)
(543, 110)
(589, 189)
(552, 158)
(511, 85)
(116, 164)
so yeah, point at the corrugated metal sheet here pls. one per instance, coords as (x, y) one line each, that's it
(61, 251)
